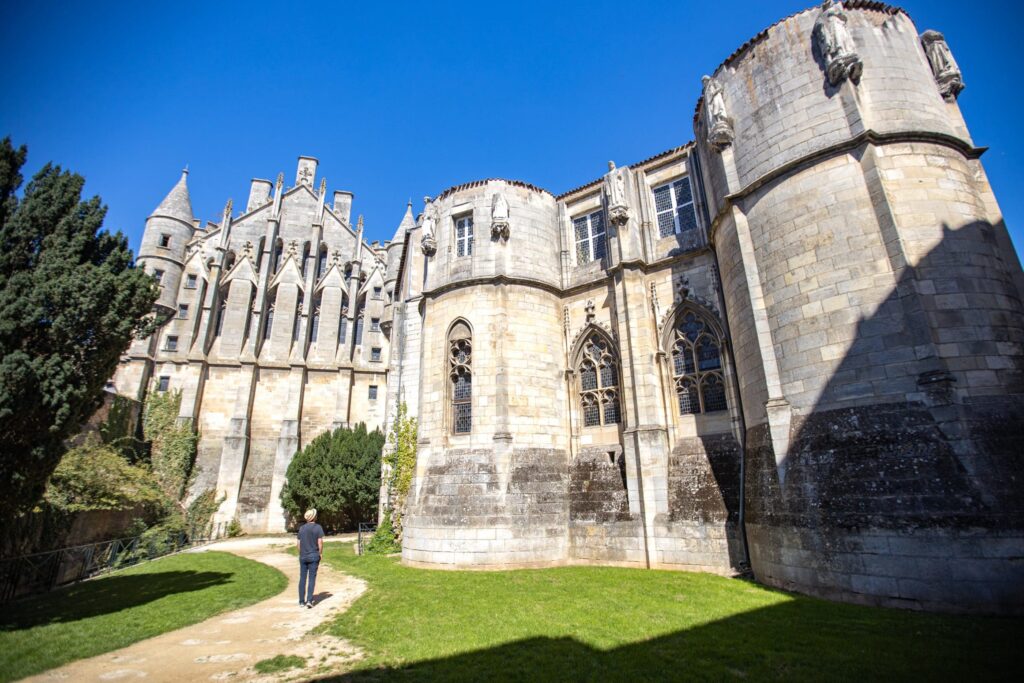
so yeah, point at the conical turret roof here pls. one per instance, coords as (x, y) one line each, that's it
(177, 203)
(408, 223)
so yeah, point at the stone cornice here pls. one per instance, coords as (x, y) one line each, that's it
(868, 137)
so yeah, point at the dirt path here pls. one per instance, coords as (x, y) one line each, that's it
(226, 647)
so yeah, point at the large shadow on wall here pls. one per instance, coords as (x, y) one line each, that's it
(802, 639)
(891, 443)
(704, 465)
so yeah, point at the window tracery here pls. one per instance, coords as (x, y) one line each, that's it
(599, 383)
(460, 373)
(697, 365)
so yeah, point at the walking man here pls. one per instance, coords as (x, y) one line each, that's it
(311, 549)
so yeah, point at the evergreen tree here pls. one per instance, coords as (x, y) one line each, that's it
(338, 473)
(70, 302)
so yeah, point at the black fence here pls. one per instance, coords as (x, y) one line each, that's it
(41, 572)
(365, 534)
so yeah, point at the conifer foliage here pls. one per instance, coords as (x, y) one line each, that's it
(70, 302)
(338, 473)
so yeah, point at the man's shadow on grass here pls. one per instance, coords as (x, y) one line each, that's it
(103, 596)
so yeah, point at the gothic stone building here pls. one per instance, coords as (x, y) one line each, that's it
(793, 344)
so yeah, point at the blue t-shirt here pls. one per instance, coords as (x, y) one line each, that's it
(308, 535)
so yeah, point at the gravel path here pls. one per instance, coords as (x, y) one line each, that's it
(226, 647)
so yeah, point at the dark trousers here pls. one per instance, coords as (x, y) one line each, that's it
(307, 568)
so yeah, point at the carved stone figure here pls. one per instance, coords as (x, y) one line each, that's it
(720, 132)
(616, 186)
(615, 192)
(836, 44)
(427, 243)
(499, 217)
(944, 67)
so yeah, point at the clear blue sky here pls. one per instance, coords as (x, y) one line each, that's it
(401, 100)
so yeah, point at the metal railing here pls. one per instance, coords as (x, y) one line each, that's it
(365, 530)
(42, 572)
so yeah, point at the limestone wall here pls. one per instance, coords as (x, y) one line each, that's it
(257, 346)
(866, 295)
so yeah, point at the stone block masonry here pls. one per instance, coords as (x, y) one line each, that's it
(793, 347)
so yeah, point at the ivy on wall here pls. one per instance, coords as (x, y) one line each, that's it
(173, 443)
(400, 464)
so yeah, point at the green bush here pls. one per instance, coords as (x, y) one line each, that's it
(384, 540)
(338, 473)
(234, 528)
(95, 477)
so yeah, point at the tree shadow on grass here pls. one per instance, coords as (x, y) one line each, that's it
(104, 596)
(798, 640)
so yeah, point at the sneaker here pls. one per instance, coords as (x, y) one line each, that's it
(309, 604)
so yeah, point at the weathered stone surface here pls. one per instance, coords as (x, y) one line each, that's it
(850, 415)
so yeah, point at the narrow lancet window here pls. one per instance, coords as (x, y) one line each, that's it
(460, 350)
(464, 236)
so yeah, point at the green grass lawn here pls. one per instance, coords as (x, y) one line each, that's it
(604, 623)
(121, 608)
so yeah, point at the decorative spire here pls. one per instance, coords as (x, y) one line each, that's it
(408, 223)
(359, 224)
(280, 183)
(228, 210)
(177, 203)
(323, 188)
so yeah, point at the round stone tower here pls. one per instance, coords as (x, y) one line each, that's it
(873, 303)
(491, 485)
(168, 229)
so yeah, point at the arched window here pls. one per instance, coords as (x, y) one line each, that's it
(275, 263)
(218, 325)
(268, 326)
(314, 321)
(297, 323)
(321, 262)
(259, 252)
(305, 257)
(697, 365)
(249, 315)
(343, 320)
(599, 382)
(460, 373)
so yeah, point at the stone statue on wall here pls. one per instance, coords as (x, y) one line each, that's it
(616, 189)
(836, 44)
(944, 67)
(499, 217)
(615, 193)
(720, 133)
(428, 243)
